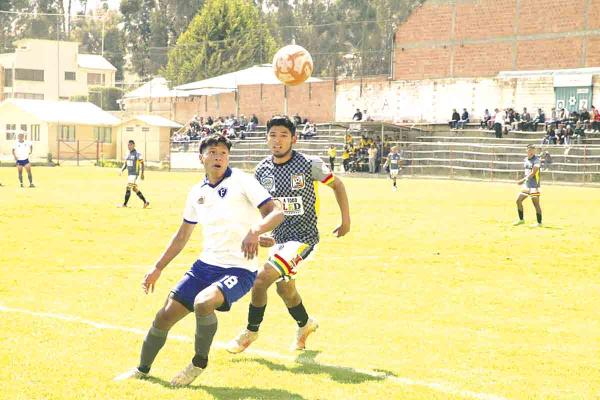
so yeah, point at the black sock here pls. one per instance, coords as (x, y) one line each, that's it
(199, 361)
(127, 194)
(30, 177)
(394, 183)
(21, 177)
(539, 218)
(520, 214)
(299, 314)
(255, 317)
(141, 196)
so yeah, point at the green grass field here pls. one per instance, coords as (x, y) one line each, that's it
(433, 295)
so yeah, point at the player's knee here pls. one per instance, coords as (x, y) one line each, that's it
(287, 293)
(163, 320)
(262, 282)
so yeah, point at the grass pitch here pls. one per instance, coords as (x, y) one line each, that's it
(433, 295)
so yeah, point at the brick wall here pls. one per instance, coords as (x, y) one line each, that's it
(451, 38)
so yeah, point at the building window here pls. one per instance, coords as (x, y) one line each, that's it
(35, 133)
(70, 76)
(103, 134)
(36, 75)
(67, 133)
(145, 129)
(10, 131)
(129, 129)
(95, 79)
(8, 77)
(32, 96)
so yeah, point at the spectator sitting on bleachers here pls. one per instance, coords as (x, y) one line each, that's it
(553, 118)
(568, 134)
(595, 118)
(297, 120)
(366, 116)
(485, 119)
(464, 118)
(579, 132)
(584, 117)
(563, 116)
(540, 118)
(454, 119)
(550, 137)
(560, 134)
(309, 131)
(357, 115)
(546, 161)
(516, 121)
(525, 124)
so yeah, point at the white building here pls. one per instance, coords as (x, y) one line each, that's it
(52, 70)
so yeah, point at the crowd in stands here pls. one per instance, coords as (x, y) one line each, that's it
(561, 127)
(363, 154)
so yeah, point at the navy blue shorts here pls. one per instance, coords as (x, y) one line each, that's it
(234, 283)
(23, 162)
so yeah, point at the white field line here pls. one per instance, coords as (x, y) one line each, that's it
(437, 386)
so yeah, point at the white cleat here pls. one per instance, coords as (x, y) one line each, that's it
(241, 343)
(536, 225)
(186, 376)
(131, 374)
(394, 189)
(302, 334)
(518, 222)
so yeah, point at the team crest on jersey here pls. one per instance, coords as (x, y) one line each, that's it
(222, 192)
(200, 200)
(268, 182)
(298, 182)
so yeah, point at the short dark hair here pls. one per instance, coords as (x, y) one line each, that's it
(214, 140)
(281, 120)
(531, 146)
(132, 142)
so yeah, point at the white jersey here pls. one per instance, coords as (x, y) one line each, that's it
(22, 150)
(226, 212)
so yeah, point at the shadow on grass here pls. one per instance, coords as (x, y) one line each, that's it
(307, 364)
(229, 393)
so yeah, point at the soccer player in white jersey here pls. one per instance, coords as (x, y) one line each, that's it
(226, 204)
(292, 178)
(21, 151)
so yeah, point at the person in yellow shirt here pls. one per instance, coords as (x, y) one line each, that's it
(332, 153)
(346, 158)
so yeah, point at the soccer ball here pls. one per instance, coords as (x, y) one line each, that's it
(292, 64)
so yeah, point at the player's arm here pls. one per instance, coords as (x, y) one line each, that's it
(177, 244)
(533, 172)
(142, 169)
(124, 167)
(30, 149)
(342, 199)
(272, 216)
(14, 154)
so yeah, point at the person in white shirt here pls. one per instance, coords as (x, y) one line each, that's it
(498, 122)
(226, 204)
(21, 151)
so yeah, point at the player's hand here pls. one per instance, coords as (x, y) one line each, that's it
(142, 176)
(266, 241)
(342, 229)
(150, 279)
(250, 245)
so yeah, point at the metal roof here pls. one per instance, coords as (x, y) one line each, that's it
(94, 61)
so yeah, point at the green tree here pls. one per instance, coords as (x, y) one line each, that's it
(225, 36)
(137, 31)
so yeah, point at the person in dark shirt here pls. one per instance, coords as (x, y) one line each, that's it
(357, 115)
(454, 120)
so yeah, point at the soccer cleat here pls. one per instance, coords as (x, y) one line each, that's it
(536, 225)
(186, 376)
(31, 185)
(394, 189)
(519, 222)
(241, 343)
(131, 374)
(146, 204)
(302, 334)
(22, 185)
(122, 206)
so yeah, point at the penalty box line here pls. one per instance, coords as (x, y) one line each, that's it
(436, 386)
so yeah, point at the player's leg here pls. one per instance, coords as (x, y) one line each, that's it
(29, 176)
(522, 196)
(140, 195)
(535, 199)
(288, 292)
(127, 194)
(172, 312)
(20, 173)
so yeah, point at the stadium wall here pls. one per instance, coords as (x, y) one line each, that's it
(1, 83)
(479, 38)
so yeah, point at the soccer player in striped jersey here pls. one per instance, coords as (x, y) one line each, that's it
(530, 186)
(228, 204)
(134, 164)
(291, 178)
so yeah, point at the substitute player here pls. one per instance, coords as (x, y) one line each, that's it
(134, 164)
(21, 151)
(226, 204)
(394, 161)
(530, 185)
(291, 178)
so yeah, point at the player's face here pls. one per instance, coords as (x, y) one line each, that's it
(21, 137)
(215, 159)
(130, 146)
(280, 141)
(530, 153)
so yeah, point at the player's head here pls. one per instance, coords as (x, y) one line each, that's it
(21, 136)
(214, 153)
(131, 145)
(281, 135)
(530, 150)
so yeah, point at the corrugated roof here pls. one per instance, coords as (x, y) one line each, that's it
(94, 61)
(258, 74)
(155, 120)
(64, 112)
(157, 87)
